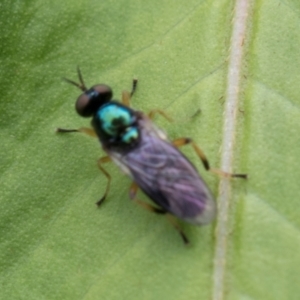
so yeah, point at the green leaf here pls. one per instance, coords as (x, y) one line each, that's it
(55, 243)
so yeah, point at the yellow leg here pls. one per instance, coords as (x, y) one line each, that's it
(132, 193)
(185, 141)
(102, 160)
(153, 112)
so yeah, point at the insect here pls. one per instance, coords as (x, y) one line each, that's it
(144, 152)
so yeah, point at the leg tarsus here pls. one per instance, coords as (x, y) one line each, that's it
(244, 176)
(184, 238)
(227, 175)
(102, 160)
(126, 96)
(63, 130)
(132, 193)
(185, 141)
(177, 227)
(134, 86)
(99, 202)
(85, 130)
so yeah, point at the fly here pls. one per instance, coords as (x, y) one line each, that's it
(147, 156)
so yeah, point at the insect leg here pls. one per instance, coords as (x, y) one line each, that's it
(88, 131)
(177, 227)
(126, 96)
(152, 113)
(185, 141)
(132, 194)
(134, 85)
(102, 160)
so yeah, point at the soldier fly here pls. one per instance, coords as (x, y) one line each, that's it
(144, 152)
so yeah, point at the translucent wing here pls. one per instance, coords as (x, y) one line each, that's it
(167, 177)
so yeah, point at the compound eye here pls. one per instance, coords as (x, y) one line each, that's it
(104, 92)
(83, 106)
(88, 103)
